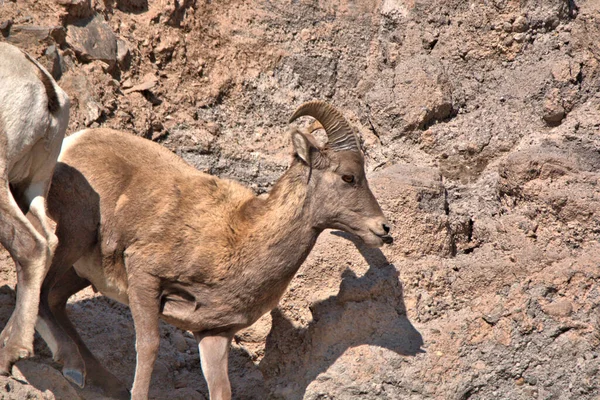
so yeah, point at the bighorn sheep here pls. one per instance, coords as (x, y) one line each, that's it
(205, 254)
(34, 113)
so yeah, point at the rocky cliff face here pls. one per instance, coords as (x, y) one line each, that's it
(480, 123)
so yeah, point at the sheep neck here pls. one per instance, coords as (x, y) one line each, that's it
(282, 233)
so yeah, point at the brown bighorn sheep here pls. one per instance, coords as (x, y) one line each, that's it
(34, 113)
(205, 254)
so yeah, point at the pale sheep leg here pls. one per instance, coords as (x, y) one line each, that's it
(214, 355)
(144, 303)
(36, 195)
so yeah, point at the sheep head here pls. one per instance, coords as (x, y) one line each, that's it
(338, 191)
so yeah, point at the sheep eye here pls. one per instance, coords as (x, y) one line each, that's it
(348, 178)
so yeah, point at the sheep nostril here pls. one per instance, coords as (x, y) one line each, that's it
(386, 228)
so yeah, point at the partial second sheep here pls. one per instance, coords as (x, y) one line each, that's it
(34, 114)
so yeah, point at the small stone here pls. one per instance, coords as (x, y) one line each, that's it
(493, 318)
(564, 71)
(5, 27)
(520, 24)
(519, 37)
(123, 54)
(552, 22)
(531, 392)
(192, 344)
(54, 63)
(78, 8)
(554, 111)
(520, 381)
(179, 341)
(148, 82)
(429, 40)
(507, 27)
(479, 365)
(127, 83)
(166, 45)
(213, 128)
(560, 308)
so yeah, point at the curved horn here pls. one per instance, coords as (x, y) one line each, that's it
(340, 134)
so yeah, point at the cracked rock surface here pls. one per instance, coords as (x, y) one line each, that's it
(480, 123)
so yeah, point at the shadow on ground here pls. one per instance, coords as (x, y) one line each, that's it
(368, 310)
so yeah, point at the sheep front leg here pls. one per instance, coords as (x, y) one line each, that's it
(144, 303)
(214, 354)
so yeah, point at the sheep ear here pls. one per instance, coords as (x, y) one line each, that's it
(302, 146)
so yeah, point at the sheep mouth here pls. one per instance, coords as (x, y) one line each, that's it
(373, 239)
(387, 239)
(370, 238)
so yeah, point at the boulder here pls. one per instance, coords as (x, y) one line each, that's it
(92, 39)
(25, 36)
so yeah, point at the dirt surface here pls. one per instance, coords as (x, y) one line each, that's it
(480, 122)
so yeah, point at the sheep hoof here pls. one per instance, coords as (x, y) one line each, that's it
(74, 376)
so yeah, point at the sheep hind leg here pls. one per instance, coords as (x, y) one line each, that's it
(63, 347)
(31, 254)
(79, 363)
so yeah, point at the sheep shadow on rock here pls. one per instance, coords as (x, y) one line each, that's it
(368, 310)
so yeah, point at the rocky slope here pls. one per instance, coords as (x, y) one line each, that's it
(480, 123)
